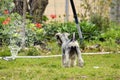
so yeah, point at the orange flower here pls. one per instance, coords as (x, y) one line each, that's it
(5, 22)
(53, 16)
(38, 25)
(6, 12)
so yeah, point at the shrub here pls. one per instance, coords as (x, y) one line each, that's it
(89, 30)
(67, 27)
(11, 27)
(32, 51)
(51, 30)
(101, 22)
(5, 51)
(112, 33)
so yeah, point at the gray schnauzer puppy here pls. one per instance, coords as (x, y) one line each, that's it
(70, 50)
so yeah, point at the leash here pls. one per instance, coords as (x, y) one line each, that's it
(76, 21)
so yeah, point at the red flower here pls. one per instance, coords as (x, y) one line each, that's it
(6, 12)
(5, 22)
(53, 16)
(38, 25)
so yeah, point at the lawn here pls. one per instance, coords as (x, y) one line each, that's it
(97, 67)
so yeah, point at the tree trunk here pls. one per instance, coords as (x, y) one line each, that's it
(37, 8)
(18, 6)
(24, 23)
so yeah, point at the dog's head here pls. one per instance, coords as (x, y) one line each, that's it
(61, 38)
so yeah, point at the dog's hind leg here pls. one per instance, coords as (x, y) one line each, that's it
(67, 60)
(80, 60)
(73, 61)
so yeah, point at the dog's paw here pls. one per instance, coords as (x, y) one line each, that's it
(80, 64)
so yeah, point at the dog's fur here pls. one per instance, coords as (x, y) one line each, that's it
(70, 50)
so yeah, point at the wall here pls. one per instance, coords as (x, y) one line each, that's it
(115, 11)
(58, 7)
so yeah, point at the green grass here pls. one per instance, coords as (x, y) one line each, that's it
(51, 69)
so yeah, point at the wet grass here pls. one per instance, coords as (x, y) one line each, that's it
(97, 67)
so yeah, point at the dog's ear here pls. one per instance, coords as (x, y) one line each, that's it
(57, 34)
(67, 34)
(59, 41)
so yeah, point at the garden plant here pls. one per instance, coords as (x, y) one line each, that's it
(99, 32)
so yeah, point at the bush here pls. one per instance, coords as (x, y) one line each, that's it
(32, 51)
(67, 27)
(112, 33)
(89, 30)
(52, 28)
(101, 22)
(5, 51)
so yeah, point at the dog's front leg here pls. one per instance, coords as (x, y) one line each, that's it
(63, 56)
(63, 59)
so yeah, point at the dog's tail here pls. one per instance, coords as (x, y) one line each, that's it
(73, 42)
(74, 39)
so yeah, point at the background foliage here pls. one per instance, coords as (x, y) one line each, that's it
(96, 29)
